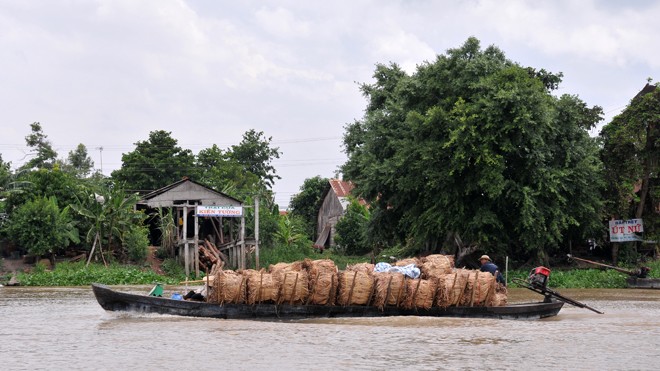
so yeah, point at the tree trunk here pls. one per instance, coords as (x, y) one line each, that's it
(462, 251)
(542, 257)
(91, 253)
(110, 249)
(648, 151)
(643, 192)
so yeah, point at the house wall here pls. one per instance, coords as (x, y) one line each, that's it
(329, 213)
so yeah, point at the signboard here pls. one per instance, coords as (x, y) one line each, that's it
(626, 230)
(225, 211)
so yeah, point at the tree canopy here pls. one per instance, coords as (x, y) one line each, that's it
(224, 174)
(42, 183)
(352, 229)
(40, 226)
(154, 163)
(43, 151)
(631, 148)
(5, 173)
(255, 154)
(476, 145)
(78, 162)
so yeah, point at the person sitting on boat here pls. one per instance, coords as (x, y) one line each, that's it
(196, 295)
(487, 265)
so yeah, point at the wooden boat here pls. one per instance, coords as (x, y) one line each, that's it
(112, 300)
(643, 283)
(638, 278)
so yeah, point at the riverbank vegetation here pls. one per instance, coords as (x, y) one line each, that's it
(78, 274)
(472, 153)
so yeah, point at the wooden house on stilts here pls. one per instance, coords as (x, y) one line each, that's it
(201, 214)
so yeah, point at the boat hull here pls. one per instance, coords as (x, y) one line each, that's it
(643, 283)
(112, 300)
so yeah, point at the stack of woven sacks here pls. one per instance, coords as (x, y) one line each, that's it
(431, 281)
(463, 287)
(302, 282)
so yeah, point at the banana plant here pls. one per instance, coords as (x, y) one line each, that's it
(110, 211)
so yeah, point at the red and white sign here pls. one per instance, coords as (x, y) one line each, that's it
(224, 211)
(626, 230)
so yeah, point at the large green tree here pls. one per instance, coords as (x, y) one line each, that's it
(256, 155)
(474, 146)
(78, 162)
(352, 229)
(631, 149)
(219, 171)
(5, 180)
(5, 175)
(155, 163)
(44, 154)
(28, 185)
(306, 203)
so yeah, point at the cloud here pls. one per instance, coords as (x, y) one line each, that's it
(282, 23)
(107, 72)
(592, 30)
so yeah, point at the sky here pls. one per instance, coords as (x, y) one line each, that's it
(106, 73)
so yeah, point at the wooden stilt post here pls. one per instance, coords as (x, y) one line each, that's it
(196, 241)
(256, 232)
(242, 257)
(186, 251)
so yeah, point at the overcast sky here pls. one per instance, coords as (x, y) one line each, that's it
(105, 73)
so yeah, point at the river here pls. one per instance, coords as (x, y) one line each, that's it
(55, 328)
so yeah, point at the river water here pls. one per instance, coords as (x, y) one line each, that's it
(65, 328)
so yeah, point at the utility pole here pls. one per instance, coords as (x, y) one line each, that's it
(101, 154)
(256, 231)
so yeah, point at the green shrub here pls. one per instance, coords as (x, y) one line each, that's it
(172, 268)
(161, 253)
(41, 227)
(136, 243)
(578, 278)
(341, 260)
(655, 268)
(289, 234)
(39, 268)
(76, 274)
(285, 253)
(351, 229)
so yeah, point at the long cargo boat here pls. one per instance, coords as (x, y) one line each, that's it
(112, 300)
(643, 283)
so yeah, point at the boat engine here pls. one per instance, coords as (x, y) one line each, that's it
(538, 278)
(642, 272)
(537, 281)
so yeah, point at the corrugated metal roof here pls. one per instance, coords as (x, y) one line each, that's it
(186, 189)
(342, 188)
